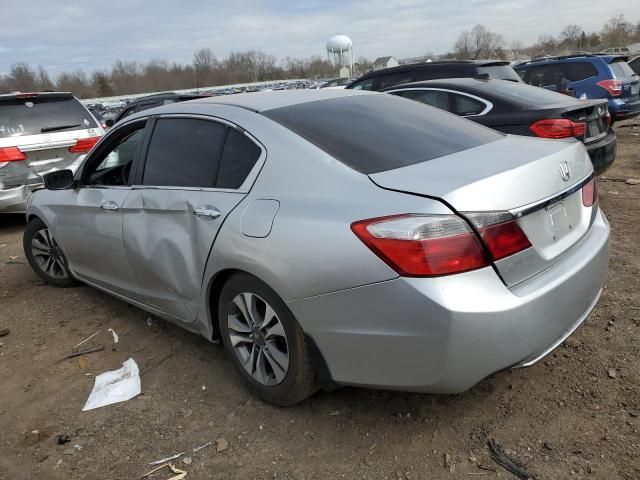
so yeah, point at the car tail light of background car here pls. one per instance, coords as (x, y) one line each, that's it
(590, 193)
(83, 145)
(557, 128)
(433, 245)
(612, 86)
(11, 154)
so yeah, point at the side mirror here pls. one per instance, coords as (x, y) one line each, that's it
(109, 122)
(59, 180)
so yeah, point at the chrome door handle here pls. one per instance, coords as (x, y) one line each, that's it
(208, 212)
(110, 205)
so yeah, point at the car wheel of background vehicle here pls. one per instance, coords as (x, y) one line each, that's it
(265, 342)
(45, 256)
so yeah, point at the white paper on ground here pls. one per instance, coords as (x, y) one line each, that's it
(116, 386)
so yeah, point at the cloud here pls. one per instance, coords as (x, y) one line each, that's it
(79, 35)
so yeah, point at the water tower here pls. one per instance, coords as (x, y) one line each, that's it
(340, 51)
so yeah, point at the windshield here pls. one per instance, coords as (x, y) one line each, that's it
(501, 72)
(621, 69)
(42, 114)
(373, 133)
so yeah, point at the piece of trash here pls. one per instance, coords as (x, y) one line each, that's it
(612, 373)
(501, 458)
(97, 348)
(187, 460)
(168, 459)
(633, 181)
(203, 388)
(335, 413)
(62, 439)
(221, 445)
(197, 449)
(115, 386)
(115, 335)
(4, 332)
(77, 447)
(87, 339)
(69, 451)
(180, 473)
(449, 463)
(151, 321)
(58, 464)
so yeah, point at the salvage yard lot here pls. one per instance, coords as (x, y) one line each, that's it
(574, 415)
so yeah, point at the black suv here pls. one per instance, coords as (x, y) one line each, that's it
(416, 72)
(156, 100)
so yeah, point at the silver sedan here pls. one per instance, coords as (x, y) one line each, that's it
(333, 237)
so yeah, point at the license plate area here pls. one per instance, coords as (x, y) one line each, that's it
(559, 221)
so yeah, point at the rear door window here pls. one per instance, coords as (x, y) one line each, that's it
(578, 71)
(545, 75)
(395, 79)
(42, 114)
(465, 105)
(621, 69)
(184, 152)
(375, 133)
(364, 85)
(238, 158)
(434, 98)
(434, 73)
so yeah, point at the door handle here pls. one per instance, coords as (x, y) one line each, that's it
(207, 212)
(110, 205)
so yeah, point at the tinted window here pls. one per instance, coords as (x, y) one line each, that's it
(467, 105)
(184, 152)
(238, 158)
(439, 72)
(621, 69)
(395, 79)
(364, 85)
(42, 114)
(435, 98)
(545, 75)
(374, 133)
(501, 72)
(635, 65)
(579, 71)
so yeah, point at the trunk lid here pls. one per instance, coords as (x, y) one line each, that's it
(594, 114)
(537, 180)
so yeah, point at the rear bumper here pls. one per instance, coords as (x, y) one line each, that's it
(603, 152)
(443, 335)
(621, 109)
(14, 200)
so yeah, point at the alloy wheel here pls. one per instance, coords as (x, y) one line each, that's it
(258, 339)
(48, 255)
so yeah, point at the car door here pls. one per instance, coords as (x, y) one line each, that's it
(89, 218)
(193, 176)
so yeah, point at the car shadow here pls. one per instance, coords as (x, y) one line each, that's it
(12, 222)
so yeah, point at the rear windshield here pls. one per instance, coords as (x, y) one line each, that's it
(501, 72)
(42, 114)
(523, 94)
(621, 69)
(377, 132)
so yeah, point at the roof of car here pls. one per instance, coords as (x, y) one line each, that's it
(13, 95)
(427, 65)
(465, 82)
(268, 100)
(167, 95)
(578, 57)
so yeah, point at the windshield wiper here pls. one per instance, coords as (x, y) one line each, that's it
(59, 127)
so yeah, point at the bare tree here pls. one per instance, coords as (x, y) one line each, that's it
(204, 66)
(478, 41)
(516, 48)
(570, 35)
(22, 78)
(617, 32)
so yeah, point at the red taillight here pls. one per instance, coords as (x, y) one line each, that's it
(590, 193)
(557, 128)
(11, 154)
(504, 239)
(83, 145)
(422, 245)
(607, 120)
(26, 95)
(612, 86)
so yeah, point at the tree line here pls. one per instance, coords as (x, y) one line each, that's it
(205, 70)
(480, 42)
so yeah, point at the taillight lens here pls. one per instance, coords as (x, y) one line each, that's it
(422, 245)
(11, 154)
(607, 119)
(612, 86)
(500, 233)
(590, 193)
(557, 128)
(83, 145)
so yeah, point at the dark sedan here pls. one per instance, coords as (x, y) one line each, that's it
(521, 109)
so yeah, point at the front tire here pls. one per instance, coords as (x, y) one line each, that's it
(45, 255)
(264, 341)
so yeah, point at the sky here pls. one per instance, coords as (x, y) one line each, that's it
(65, 35)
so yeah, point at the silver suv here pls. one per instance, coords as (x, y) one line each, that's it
(40, 133)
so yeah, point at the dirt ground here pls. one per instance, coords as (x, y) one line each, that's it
(575, 415)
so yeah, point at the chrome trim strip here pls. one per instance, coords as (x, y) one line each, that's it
(488, 105)
(540, 204)
(563, 337)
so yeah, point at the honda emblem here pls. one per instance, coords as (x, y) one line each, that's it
(565, 171)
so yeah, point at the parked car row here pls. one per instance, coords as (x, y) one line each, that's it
(344, 237)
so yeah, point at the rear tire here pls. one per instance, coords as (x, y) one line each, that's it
(45, 256)
(265, 342)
